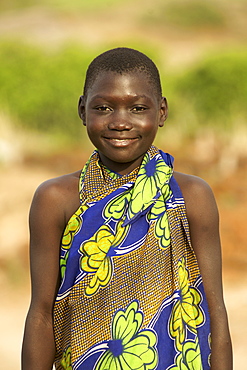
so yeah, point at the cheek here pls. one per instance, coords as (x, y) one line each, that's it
(93, 135)
(94, 126)
(150, 129)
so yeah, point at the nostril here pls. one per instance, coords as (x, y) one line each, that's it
(120, 125)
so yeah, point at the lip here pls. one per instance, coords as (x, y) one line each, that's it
(120, 142)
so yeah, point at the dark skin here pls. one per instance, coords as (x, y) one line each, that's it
(122, 114)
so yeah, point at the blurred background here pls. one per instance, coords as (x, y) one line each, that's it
(45, 46)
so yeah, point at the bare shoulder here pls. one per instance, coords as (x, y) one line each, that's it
(59, 185)
(53, 195)
(192, 186)
(190, 182)
(197, 193)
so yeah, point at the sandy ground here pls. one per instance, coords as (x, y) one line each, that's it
(15, 197)
(17, 185)
(18, 182)
(13, 311)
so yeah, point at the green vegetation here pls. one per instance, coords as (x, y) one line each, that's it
(195, 14)
(72, 5)
(187, 14)
(83, 5)
(216, 89)
(39, 90)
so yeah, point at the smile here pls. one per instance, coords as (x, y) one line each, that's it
(120, 142)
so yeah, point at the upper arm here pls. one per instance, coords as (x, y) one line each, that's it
(46, 222)
(203, 220)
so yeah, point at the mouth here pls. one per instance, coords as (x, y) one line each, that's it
(120, 142)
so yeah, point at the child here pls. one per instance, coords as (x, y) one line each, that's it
(139, 282)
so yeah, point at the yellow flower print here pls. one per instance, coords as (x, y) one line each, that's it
(66, 359)
(187, 310)
(153, 175)
(115, 209)
(162, 227)
(129, 349)
(162, 231)
(190, 358)
(63, 264)
(96, 257)
(158, 209)
(71, 229)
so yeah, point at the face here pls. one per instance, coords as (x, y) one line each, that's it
(122, 114)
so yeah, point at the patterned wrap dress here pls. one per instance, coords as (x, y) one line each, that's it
(131, 294)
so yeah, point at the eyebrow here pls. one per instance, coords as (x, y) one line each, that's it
(98, 96)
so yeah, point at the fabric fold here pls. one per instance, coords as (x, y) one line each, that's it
(131, 293)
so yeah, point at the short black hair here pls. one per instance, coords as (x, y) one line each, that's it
(123, 60)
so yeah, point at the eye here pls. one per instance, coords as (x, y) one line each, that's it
(103, 108)
(139, 108)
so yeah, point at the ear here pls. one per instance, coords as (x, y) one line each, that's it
(163, 111)
(81, 109)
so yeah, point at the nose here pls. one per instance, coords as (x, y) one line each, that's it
(120, 121)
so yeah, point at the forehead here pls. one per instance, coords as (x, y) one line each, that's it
(134, 83)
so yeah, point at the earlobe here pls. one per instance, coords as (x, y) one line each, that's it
(81, 109)
(164, 111)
